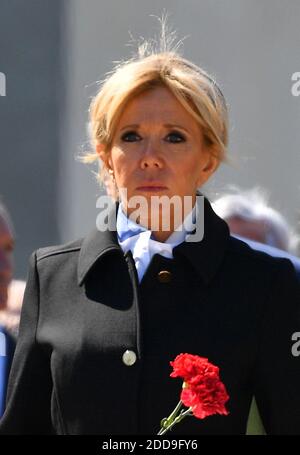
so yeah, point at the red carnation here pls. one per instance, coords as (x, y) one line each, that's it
(203, 390)
(187, 366)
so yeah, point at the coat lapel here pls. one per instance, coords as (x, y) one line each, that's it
(205, 255)
(97, 244)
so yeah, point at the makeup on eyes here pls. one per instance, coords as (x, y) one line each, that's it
(179, 135)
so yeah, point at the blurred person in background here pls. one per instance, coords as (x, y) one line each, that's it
(7, 347)
(11, 296)
(249, 215)
(11, 290)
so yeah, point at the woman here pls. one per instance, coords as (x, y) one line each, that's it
(103, 316)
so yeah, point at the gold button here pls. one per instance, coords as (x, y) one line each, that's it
(129, 358)
(164, 276)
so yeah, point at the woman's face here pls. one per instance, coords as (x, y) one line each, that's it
(158, 148)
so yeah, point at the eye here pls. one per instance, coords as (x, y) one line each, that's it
(175, 137)
(130, 136)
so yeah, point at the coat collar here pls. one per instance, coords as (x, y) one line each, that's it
(205, 255)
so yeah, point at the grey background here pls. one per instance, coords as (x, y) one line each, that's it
(30, 43)
(54, 51)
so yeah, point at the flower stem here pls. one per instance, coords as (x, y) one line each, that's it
(175, 412)
(170, 423)
(168, 420)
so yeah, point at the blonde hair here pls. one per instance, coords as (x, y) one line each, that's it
(195, 89)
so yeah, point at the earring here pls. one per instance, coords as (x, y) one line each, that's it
(111, 173)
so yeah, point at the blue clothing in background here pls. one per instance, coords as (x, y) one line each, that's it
(7, 347)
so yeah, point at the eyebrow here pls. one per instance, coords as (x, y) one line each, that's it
(166, 125)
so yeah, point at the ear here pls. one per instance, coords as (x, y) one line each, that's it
(104, 155)
(209, 166)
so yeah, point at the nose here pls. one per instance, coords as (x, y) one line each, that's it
(151, 155)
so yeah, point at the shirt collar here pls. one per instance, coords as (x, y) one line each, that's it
(127, 228)
(206, 255)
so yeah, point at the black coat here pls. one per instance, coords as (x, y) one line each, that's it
(274, 252)
(83, 308)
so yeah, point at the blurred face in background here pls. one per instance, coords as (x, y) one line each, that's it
(253, 230)
(6, 260)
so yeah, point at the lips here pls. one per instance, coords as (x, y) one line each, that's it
(150, 186)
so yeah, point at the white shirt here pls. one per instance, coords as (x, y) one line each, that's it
(140, 241)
